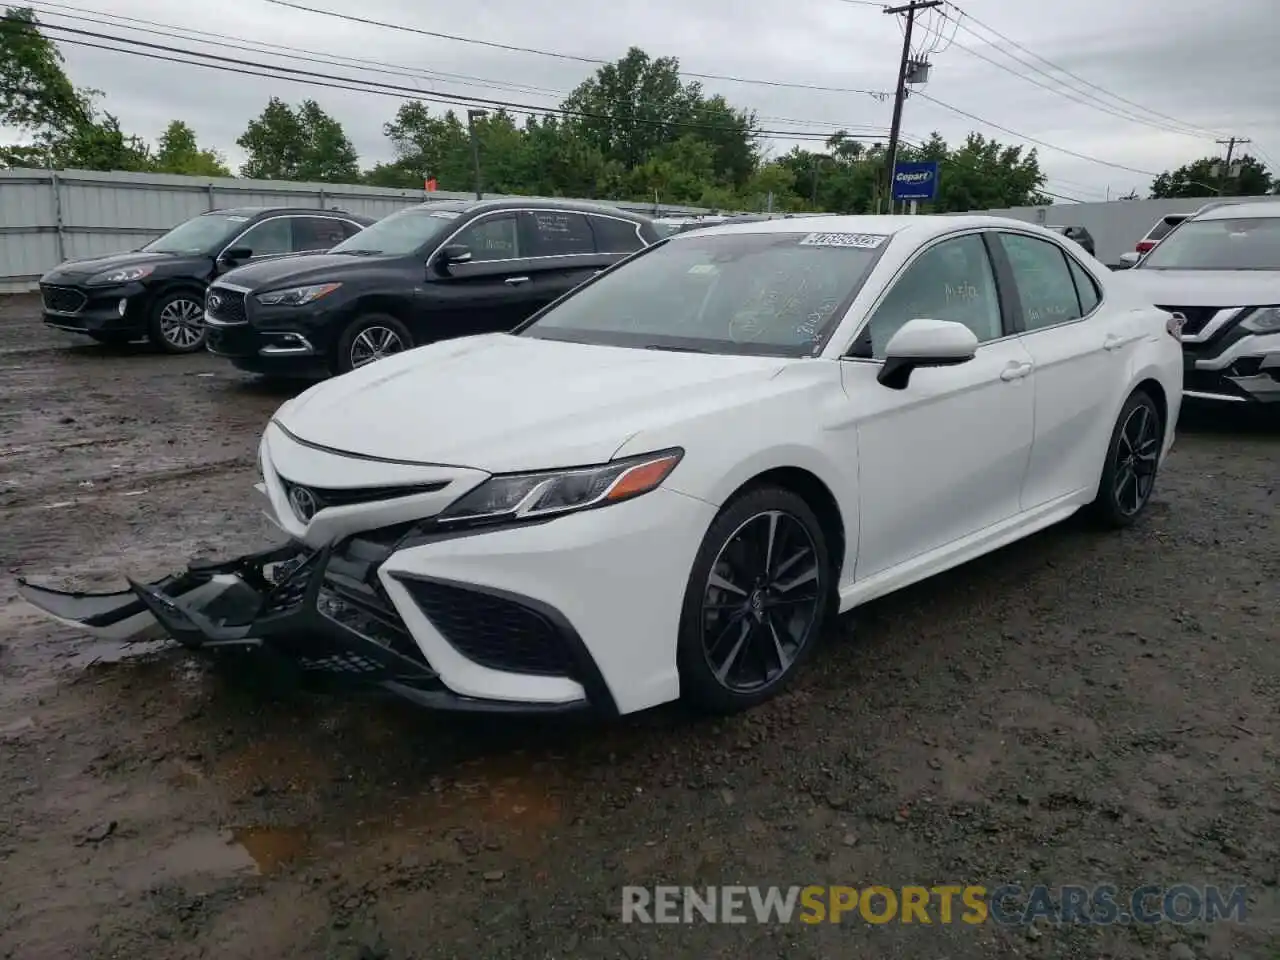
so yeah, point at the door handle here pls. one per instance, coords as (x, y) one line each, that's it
(1114, 341)
(1016, 371)
(516, 281)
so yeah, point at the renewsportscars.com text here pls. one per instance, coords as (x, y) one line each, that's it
(1008, 905)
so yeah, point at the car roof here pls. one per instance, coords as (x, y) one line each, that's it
(307, 211)
(1240, 209)
(531, 203)
(921, 227)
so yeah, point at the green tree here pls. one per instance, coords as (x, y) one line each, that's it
(983, 174)
(179, 152)
(1198, 179)
(427, 146)
(36, 96)
(630, 110)
(303, 144)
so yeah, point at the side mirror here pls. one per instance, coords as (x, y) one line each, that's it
(455, 253)
(236, 254)
(925, 343)
(1130, 258)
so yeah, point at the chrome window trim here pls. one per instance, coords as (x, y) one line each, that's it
(554, 256)
(318, 215)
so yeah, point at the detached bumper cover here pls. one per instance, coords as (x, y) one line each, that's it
(319, 609)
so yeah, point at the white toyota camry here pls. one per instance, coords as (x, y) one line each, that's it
(671, 480)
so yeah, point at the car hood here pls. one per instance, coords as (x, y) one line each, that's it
(89, 266)
(1207, 288)
(502, 403)
(297, 268)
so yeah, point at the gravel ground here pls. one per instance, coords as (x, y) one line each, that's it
(1079, 708)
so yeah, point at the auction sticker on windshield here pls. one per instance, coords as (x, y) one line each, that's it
(863, 241)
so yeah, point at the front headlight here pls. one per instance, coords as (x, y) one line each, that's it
(123, 275)
(297, 296)
(526, 496)
(1263, 320)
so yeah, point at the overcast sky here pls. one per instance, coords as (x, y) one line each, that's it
(1217, 71)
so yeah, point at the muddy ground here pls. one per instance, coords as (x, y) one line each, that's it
(1078, 708)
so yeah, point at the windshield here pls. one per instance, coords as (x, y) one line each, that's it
(399, 234)
(1238, 243)
(778, 294)
(206, 233)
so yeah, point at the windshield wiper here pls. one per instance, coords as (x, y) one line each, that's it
(362, 253)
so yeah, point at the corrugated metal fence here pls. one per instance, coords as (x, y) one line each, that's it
(47, 216)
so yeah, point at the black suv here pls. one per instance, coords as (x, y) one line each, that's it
(434, 271)
(158, 291)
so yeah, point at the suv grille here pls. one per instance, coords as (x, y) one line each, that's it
(492, 631)
(226, 305)
(1197, 317)
(63, 299)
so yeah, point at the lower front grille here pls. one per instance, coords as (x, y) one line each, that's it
(63, 299)
(493, 631)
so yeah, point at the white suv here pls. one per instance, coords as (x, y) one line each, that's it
(1221, 270)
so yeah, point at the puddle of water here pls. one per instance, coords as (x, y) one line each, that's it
(271, 848)
(199, 854)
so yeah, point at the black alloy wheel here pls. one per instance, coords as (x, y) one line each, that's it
(757, 599)
(1129, 475)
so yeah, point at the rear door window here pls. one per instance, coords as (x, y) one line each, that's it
(557, 233)
(316, 233)
(615, 236)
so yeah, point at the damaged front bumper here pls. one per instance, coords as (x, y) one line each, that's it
(313, 608)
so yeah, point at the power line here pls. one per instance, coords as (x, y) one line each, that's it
(1029, 139)
(1071, 94)
(404, 28)
(1075, 76)
(356, 85)
(373, 66)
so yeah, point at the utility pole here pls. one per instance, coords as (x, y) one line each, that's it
(1231, 145)
(900, 92)
(472, 117)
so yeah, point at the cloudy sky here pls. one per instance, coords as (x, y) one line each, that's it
(1174, 66)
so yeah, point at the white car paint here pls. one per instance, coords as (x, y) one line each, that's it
(967, 458)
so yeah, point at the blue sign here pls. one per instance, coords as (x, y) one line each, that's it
(915, 181)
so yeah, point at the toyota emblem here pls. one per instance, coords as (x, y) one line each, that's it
(304, 503)
(215, 301)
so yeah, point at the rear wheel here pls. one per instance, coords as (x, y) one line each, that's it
(372, 337)
(177, 322)
(1129, 474)
(757, 600)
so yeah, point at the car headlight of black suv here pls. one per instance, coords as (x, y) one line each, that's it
(121, 275)
(297, 296)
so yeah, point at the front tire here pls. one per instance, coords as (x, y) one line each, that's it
(1133, 457)
(177, 322)
(370, 338)
(757, 600)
